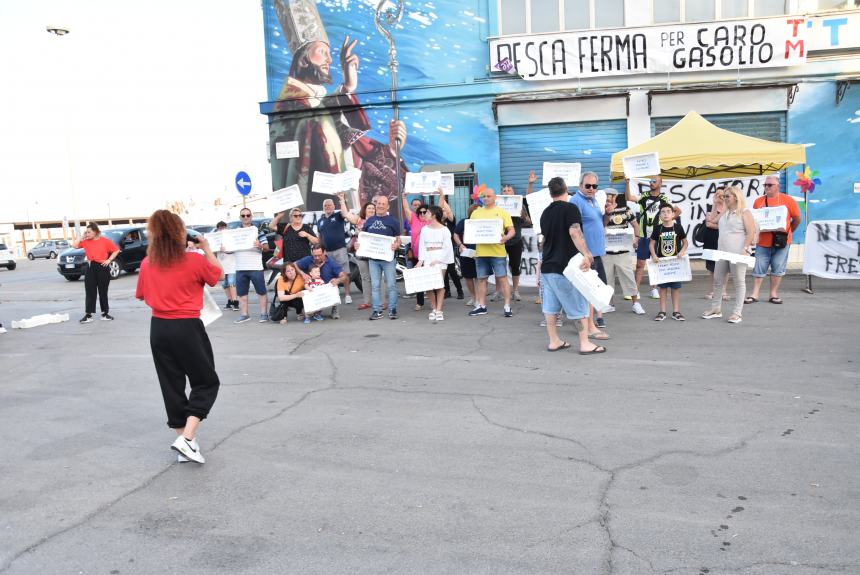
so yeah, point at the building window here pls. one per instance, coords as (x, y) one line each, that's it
(670, 11)
(816, 5)
(536, 16)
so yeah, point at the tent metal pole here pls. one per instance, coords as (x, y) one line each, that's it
(808, 288)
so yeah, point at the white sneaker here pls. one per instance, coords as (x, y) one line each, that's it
(638, 309)
(347, 299)
(440, 316)
(189, 449)
(181, 458)
(609, 309)
(655, 294)
(558, 321)
(432, 316)
(471, 302)
(2, 329)
(517, 295)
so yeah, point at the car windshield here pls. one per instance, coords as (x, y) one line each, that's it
(3, 247)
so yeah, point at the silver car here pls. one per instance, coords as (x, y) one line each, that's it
(47, 249)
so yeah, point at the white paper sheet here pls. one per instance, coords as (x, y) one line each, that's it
(772, 218)
(286, 198)
(447, 182)
(210, 310)
(619, 240)
(513, 204)
(569, 172)
(239, 239)
(321, 297)
(538, 202)
(423, 182)
(422, 279)
(285, 150)
(642, 165)
(714, 255)
(375, 246)
(326, 183)
(482, 231)
(673, 269)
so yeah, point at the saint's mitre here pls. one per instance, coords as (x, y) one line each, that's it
(300, 22)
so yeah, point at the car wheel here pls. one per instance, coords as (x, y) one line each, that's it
(11, 266)
(31, 257)
(52, 255)
(114, 269)
(72, 278)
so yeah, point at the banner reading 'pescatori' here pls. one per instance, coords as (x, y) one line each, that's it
(674, 48)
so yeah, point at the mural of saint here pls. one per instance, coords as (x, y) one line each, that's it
(330, 128)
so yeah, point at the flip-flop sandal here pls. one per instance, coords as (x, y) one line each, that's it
(598, 349)
(564, 345)
(750, 300)
(776, 300)
(599, 335)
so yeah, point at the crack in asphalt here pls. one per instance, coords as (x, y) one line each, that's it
(604, 517)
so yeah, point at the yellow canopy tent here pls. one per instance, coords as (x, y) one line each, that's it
(694, 148)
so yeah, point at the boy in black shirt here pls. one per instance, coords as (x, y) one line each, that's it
(668, 239)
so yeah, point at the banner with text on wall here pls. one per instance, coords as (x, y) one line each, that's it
(675, 48)
(833, 249)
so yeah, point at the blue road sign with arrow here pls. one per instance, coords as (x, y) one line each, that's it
(243, 183)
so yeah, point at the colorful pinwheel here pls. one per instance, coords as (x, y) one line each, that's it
(807, 180)
(478, 194)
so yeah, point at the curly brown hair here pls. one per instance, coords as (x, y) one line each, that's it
(166, 233)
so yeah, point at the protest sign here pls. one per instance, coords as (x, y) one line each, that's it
(320, 297)
(538, 202)
(215, 240)
(566, 171)
(771, 218)
(619, 240)
(588, 283)
(422, 279)
(467, 253)
(513, 204)
(447, 182)
(326, 183)
(375, 246)
(422, 182)
(482, 231)
(210, 310)
(239, 239)
(714, 255)
(286, 198)
(642, 165)
(285, 150)
(671, 269)
(833, 249)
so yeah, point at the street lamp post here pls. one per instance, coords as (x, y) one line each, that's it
(60, 31)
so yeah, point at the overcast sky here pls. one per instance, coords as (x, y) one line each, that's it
(156, 101)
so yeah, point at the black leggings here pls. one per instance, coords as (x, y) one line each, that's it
(96, 279)
(180, 349)
(454, 277)
(515, 257)
(297, 304)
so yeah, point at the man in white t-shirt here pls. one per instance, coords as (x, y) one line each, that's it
(228, 264)
(249, 270)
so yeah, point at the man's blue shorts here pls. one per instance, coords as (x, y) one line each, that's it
(558, 294)
(246, 277)
(771, 258)
(485, 267)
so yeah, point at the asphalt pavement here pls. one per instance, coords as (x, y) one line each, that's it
(402, 446)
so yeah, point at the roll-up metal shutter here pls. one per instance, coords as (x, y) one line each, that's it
(525, 148)
(765, 125)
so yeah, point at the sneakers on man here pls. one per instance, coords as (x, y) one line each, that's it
(558, 321)
(318, 317)
(347, 299)
(509, 312)
(2, 329)
(598, 321)
(479, 310)
(335, 314)
(86, 319)
(235, 305)
(638, 309)
(375, 315)
(609, 309)
(229, 305)
(517, 296)
(242, 319)
(655, 293)
(392, 313)
(264, 318)
(107, 317)
(189, 449)
(459, 295)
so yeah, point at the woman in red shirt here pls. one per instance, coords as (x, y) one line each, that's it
(171, 282)
(100, 253)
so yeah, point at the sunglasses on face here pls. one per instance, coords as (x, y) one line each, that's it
(422, 212)
(244, 215)
(297, 215)
(589, 186)
(769, 185)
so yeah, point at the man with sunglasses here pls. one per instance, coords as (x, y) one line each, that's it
(771, 250)
(594, 233)
(249, 270)
(649, 214)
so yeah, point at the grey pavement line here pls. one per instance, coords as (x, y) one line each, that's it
(604, 518)
(835, 568)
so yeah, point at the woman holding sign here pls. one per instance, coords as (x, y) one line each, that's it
(435, 249)
(737, 236)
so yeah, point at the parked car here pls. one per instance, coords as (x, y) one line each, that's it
(49, 249)
(132, 243)
(203, 229)
(7, 258)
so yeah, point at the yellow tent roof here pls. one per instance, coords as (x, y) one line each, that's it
(694, 148)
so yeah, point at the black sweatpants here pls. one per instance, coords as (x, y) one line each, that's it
(96, 279)
(180, 349)
(297, 304)
(454, 277)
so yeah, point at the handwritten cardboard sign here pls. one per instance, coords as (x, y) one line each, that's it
(619, 240)
(771, 218)
(423, 182)
(285, 150)
(671, 269)
(422, 279)
(326, 183)
(286, 198)
(482, 231)
(569, 172)
(513, 204)
(375, 246)
(538, 202)
(320, 297)
(642, 165)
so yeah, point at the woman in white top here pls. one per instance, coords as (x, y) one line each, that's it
(435, 249)
(737, 236)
